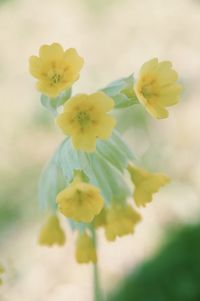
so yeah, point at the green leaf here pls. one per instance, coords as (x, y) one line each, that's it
(115, 151)
(81, 227)
(122, 92)
(114, 88)
(103, 168)
(51, 183)
(52, 104)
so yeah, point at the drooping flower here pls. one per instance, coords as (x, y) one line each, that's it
(146, 184)
(157, 87)
(85, 249)
(52, 233)
(80, 201)
(55, 69)
(120, 220)
(100, 219)
(85, 119)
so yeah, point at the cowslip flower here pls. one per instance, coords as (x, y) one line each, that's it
(85, 249)
(55, 69)
(52, 233)
(85, 119)
(157, 87)
(146, 184)
(120, 220)
(80, 201)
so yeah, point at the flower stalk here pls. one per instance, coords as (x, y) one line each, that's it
(98, 294)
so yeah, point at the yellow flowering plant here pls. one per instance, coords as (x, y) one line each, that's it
(87, 180)
(52, 233)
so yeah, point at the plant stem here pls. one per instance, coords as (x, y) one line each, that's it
(98, 296)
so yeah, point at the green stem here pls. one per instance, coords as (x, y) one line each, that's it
(98, 296)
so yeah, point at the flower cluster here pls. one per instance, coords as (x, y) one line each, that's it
(87, 178)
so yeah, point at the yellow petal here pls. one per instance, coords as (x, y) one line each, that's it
(149, 66)
(103, 103)
(75, 102)
(72, 59)
(105, 127)
(157, 111)
(51, 233)
(84, 141)
(35, 66)
(51, 52)
(85, 249)
(63, 121)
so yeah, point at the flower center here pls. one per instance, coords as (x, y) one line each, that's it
(83, 118)
(56, 78)
(149, 88)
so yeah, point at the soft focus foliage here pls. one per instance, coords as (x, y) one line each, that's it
(171, 275)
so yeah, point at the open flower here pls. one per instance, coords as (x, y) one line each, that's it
(55, 69)
(85, 118)
(157, 87)
(85, 249)
(146, 184)
(120, 220)
(80, 201)
(51, 233)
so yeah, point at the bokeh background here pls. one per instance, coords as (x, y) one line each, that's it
(115, 37)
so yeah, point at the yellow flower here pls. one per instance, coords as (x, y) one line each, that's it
(100, 219)
(85, 118)
(80, 201)
(146, 184)
(120, 221)
(157, 87)
(85, 249)
(51, 233)
(55, 69)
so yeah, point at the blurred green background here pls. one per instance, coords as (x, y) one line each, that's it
(172, 274)
(115, 37)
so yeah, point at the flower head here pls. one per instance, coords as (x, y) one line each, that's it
(51, 233)
(146, 184)
(85, 119)
(120, 221)
(85, 249)
(80, 201)
(55, 69)
(157, 87)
